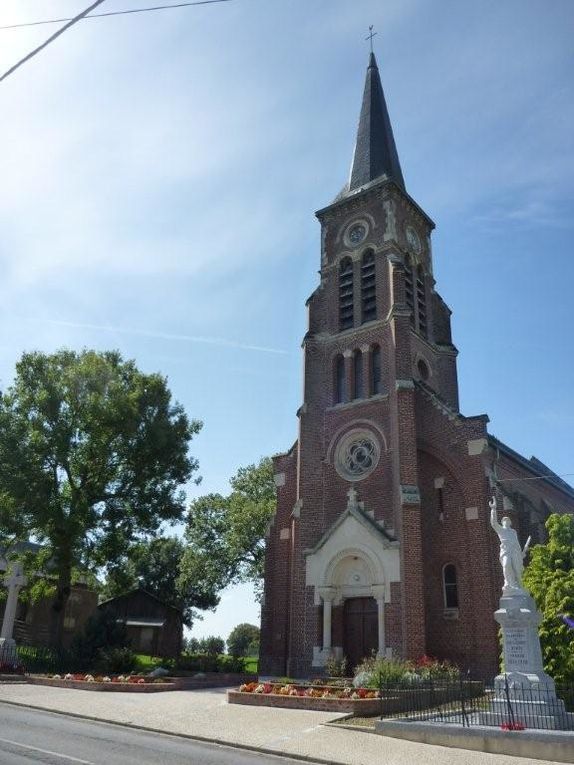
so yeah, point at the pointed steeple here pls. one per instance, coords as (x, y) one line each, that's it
(375, 151)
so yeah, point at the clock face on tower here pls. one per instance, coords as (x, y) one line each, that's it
(413, 239)
(356, 233)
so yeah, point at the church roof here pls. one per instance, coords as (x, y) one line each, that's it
(375, 150)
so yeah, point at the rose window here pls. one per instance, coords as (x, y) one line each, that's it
(357, 455)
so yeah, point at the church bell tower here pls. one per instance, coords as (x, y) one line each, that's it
(363, 487)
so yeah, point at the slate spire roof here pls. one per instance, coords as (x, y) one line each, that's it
(375, 151)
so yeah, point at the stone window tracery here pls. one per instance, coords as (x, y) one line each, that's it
(357, 455)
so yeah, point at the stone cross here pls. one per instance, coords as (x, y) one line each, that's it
(352, 503)
(13, 582)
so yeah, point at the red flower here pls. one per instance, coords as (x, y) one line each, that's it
(513, 726)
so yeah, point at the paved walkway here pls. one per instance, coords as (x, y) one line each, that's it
(206, 714)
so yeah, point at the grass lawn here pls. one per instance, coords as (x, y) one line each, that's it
(149, 663)
(251, 663)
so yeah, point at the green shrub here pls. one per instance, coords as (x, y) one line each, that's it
(102, 632)
(373, 672)
(336, 667)
(201, 662)
(115, 660)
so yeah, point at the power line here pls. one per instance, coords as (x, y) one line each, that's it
(51, 39)
(535, 478)
(114, 13)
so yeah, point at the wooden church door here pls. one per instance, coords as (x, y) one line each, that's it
(360, 625)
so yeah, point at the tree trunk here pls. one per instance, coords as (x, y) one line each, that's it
(59, 606)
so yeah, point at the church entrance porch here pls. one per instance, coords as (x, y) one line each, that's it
(360, 630)
(351, 569)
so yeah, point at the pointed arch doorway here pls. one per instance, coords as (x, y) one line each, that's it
(360, 629)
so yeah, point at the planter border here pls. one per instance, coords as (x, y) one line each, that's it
(358, 707)
(83, 685)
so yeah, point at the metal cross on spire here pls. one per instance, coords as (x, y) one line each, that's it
(371, 35)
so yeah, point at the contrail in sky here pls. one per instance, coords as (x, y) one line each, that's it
(220, 341)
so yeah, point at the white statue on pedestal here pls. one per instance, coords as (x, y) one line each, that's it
(14, 583)
(511, 553)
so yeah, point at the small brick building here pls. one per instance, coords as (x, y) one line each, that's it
(154, 627)
(381, 540)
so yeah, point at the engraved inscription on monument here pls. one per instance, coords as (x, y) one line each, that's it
(515, 649)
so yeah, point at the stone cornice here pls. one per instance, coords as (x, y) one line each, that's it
(375, 189)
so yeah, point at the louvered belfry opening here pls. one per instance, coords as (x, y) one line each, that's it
(409, 289)
(421, 301)
(346, 294)
(368, 287)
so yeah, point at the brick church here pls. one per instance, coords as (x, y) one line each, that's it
(381, 541)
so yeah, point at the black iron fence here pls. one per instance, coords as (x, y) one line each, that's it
(37, 659)
(506, 704)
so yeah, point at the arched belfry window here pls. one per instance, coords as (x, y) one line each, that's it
(340, 380)
(409, 291)
(358, 386)
(376, 376)
(346, 293)
(421, 301)
(450, 586)
(368, 287)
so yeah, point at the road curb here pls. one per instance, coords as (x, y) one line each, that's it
(188, 736)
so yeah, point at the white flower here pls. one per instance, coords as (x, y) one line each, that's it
(68, 677)
(56, 677)
(107, 679)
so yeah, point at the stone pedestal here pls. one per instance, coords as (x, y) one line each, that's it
(8, 654)
(524, 693)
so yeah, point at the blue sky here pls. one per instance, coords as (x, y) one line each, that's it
(159, 174)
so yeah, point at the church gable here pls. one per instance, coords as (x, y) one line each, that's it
(354, 556)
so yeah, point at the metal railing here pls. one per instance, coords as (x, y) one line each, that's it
(37, 659)
(506, 704)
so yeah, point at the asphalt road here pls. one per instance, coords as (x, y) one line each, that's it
(31, 736)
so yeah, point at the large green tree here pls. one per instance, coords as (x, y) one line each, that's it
(243, 640)
(154, 565)
(226, 534)
(549, 577)
(93, 453)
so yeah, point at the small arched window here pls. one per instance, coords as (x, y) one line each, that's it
(340, 381)
(376, 376)
(358, 375)
(368, 288)
(421, 301)
(423, 370)
(450, 586)
(409, 291)
(346, 293)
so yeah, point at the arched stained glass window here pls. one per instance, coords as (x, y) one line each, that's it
(376, 375)
(358, 386)
(450, 586)
(340, 380)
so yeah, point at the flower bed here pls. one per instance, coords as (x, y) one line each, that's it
(358, 701)
(361, 702)
(11, 668)
(125, 683)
